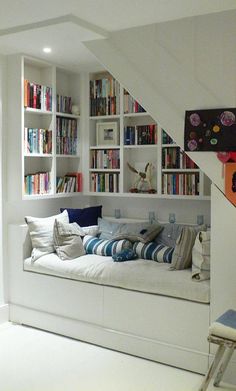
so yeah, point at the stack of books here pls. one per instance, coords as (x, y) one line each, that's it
(37, 96)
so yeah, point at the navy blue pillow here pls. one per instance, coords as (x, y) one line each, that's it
(84, 217)
(124, 255)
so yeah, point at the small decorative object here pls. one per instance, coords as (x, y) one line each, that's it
(200, 219)
(172, 218)
(143, 183)
(230, 182)
(151, 217)
(226, 156)
(75, 109)
(210, 130)
(117, 213)
(107, 133)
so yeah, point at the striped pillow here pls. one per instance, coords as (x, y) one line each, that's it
(153, 251)
(182, 256)
(104, 247)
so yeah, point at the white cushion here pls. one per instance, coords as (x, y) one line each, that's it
(67, 240)
(41, 233)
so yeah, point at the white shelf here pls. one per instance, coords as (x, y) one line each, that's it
(155, 196)
(144, 146)
(133, 115)
(30, 110)
(105, 147)
(51, 195)
(64, 83)
(104, 170)
(182, 170)
(104, 117)
(68, 156)
(66, 115)
(41, 155)
(170, 146)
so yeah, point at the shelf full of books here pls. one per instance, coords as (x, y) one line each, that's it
(37, 141)
(180, 184)
(64, 104)
(38, 183)
(66, 136)
(104, 182)
(37, 96)
(131, 105)
(104, 96)
(140, 134)
(105, 159)
(69, 183)
(176, 158)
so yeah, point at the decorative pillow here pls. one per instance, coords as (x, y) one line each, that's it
(41, 233)
(201, 256)
(124, 255)
(182, 256)
(97, 246)
(67, 240)
(84, 217)
(107, 228)
(171, 232)
(153, 251)
(142, 232)
(92, 230)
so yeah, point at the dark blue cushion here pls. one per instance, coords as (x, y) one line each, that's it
(124, 255)
(84, 217)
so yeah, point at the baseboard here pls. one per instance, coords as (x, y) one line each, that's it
(4, 313)
(127, 343)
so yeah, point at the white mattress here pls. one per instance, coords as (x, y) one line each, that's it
(139, 275)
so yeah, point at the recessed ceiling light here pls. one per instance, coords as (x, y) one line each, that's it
(47, 50)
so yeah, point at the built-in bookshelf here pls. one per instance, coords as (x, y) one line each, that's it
(180, 175)
(50, 134)
(148, 162)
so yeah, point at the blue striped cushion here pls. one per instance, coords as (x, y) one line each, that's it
(103, 247)
(155, 252)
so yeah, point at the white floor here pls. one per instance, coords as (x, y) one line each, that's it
(34, 360)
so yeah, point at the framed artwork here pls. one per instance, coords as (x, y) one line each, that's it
(107, 133)
(230, 182)
(210, 130)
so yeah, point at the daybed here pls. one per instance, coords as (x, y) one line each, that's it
(138, 307)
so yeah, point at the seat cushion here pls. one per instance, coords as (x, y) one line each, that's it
(139, 275)
(225, 326)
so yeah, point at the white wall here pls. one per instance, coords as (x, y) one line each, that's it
(2, 123)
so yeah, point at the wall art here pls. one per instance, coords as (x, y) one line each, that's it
(210, 130)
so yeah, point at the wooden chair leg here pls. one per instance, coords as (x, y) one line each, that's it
(223, 366)
(211, 370)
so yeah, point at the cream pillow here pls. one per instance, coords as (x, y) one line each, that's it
(67, 240)
(182, 255)
(41, 233)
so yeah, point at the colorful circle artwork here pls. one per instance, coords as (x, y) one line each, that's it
(227, 118)
(216, 128)
(210, 130)
(213, 141)
(193, 135)
(192, 145)
(195, 119)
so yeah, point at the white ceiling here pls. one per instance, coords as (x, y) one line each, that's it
(26, 26)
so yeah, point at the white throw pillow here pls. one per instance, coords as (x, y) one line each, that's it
(67, 240)
(41, 233)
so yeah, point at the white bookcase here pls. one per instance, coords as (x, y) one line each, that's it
(101, 150)
(140, 152)
(63, 156)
